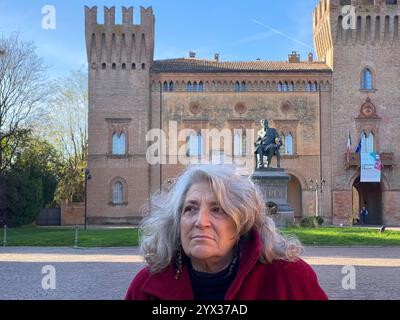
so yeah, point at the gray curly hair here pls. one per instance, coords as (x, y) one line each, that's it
(237, 195)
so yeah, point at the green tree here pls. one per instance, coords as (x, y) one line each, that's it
(38, 159)
(30, 182)
(23, 197)
(23, 89)
(65, 126)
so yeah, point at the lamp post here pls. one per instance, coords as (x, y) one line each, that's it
(318, 187)
(3, 53)
(87, 177)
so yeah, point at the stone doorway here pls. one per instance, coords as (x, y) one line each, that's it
(295, 197)
(370, 195)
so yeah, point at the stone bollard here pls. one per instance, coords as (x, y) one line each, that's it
(76, 237)
(4, 235)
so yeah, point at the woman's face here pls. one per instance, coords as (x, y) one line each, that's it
(207, 232)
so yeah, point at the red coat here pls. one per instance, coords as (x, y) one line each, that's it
(280, 280)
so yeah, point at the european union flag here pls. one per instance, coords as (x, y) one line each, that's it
(358, 150)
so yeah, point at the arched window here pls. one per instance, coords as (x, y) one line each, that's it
(244, 144)
(239, 144)
(237, 87)
(118, 193)
(243, 86)
(199, 144)
(309, 87)
(118, 144)
(280, 87)
(367, 142)
(289, 144)
(367, 80)
(195, 86)
(291, 88)
(189, 87)
(370, 142)
(201, 87)
(236, 145)
(192, 145)
(285, 87)
(171, 86)
(165, 86)
(315, 87)
(363, 142)
(195, 145)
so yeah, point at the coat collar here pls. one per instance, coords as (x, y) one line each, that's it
(164, 286)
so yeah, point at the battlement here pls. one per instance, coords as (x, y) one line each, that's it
(366, 6)
(365, 22)
(120, 46)
(146, 16)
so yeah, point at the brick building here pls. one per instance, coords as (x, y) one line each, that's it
(351, 88)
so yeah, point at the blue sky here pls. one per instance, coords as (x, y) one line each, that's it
(237, 30)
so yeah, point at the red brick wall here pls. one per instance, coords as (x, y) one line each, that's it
(72, 213)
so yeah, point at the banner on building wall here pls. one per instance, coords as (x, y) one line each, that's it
(371, 167)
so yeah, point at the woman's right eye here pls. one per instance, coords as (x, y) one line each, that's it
(190, 209)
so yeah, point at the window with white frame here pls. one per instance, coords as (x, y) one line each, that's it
(195, 143)
(117, 193)
(287, 144)
(236, 144)
(367, 79)
(119, 143)
(239, 144)
(367, 142)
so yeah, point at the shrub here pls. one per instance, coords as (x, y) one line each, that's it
(23, 200)
(312, 222)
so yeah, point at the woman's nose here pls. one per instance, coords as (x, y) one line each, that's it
(203, 217)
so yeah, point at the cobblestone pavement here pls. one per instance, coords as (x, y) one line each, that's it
(106, 273)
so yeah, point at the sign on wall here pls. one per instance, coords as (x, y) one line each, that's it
(371, 167)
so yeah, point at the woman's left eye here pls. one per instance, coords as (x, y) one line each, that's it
(217, 210)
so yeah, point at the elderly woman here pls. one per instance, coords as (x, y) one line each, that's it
(208, 238)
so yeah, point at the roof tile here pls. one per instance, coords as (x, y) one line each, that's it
(202, 66)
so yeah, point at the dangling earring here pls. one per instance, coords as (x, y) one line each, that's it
(178, 263)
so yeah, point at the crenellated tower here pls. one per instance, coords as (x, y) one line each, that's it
(119, 61)
(125, 43)
(359, 40)
(367, 23)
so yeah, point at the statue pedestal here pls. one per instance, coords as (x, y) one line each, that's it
(273, 183)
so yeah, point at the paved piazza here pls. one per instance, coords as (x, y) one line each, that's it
(106, 273)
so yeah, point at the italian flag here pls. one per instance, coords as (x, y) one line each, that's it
(348, 148)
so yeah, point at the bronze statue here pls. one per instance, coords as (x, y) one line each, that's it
(267, 144)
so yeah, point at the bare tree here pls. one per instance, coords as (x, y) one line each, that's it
(23, 89)
(66, 128)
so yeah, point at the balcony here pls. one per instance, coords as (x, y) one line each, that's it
(387, 159)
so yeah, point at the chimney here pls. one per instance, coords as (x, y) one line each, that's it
(310, 57)
(294, 57)
(216, 56)
(192, 54)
